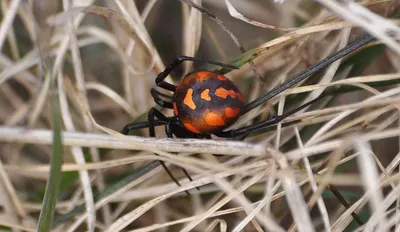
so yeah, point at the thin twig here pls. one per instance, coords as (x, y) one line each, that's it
(24, 135)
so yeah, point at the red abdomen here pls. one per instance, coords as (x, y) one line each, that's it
(206, 102)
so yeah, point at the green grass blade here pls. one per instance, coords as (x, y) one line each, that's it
(54, 180)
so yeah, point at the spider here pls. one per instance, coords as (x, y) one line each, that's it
(206, 102)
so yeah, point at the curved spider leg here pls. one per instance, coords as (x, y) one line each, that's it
(156, 96)
(169, 132)
(311, 70)
(161, 94)
(154, 113)
(244, 131)
(178, 61)
(140, 125)
(157, 99)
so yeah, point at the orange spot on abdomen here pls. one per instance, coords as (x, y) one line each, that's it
(205, 95)
(231, 112)
(214, 119)
(223, 93)
(222, 78)
(203, 75)
(191, 128)
(189, 99)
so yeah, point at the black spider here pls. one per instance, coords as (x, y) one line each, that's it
(206, 103)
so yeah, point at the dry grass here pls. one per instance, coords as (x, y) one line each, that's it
(272, 181)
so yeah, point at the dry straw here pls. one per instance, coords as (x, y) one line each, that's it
(105, 59)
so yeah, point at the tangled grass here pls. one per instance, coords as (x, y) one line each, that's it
(99, 63)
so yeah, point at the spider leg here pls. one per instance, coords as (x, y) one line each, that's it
(140, 125)
(157, 99)
(244, 131)
(311, 70)
(178, 61)
(168, 131)
(161, 94)
(154, 113)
